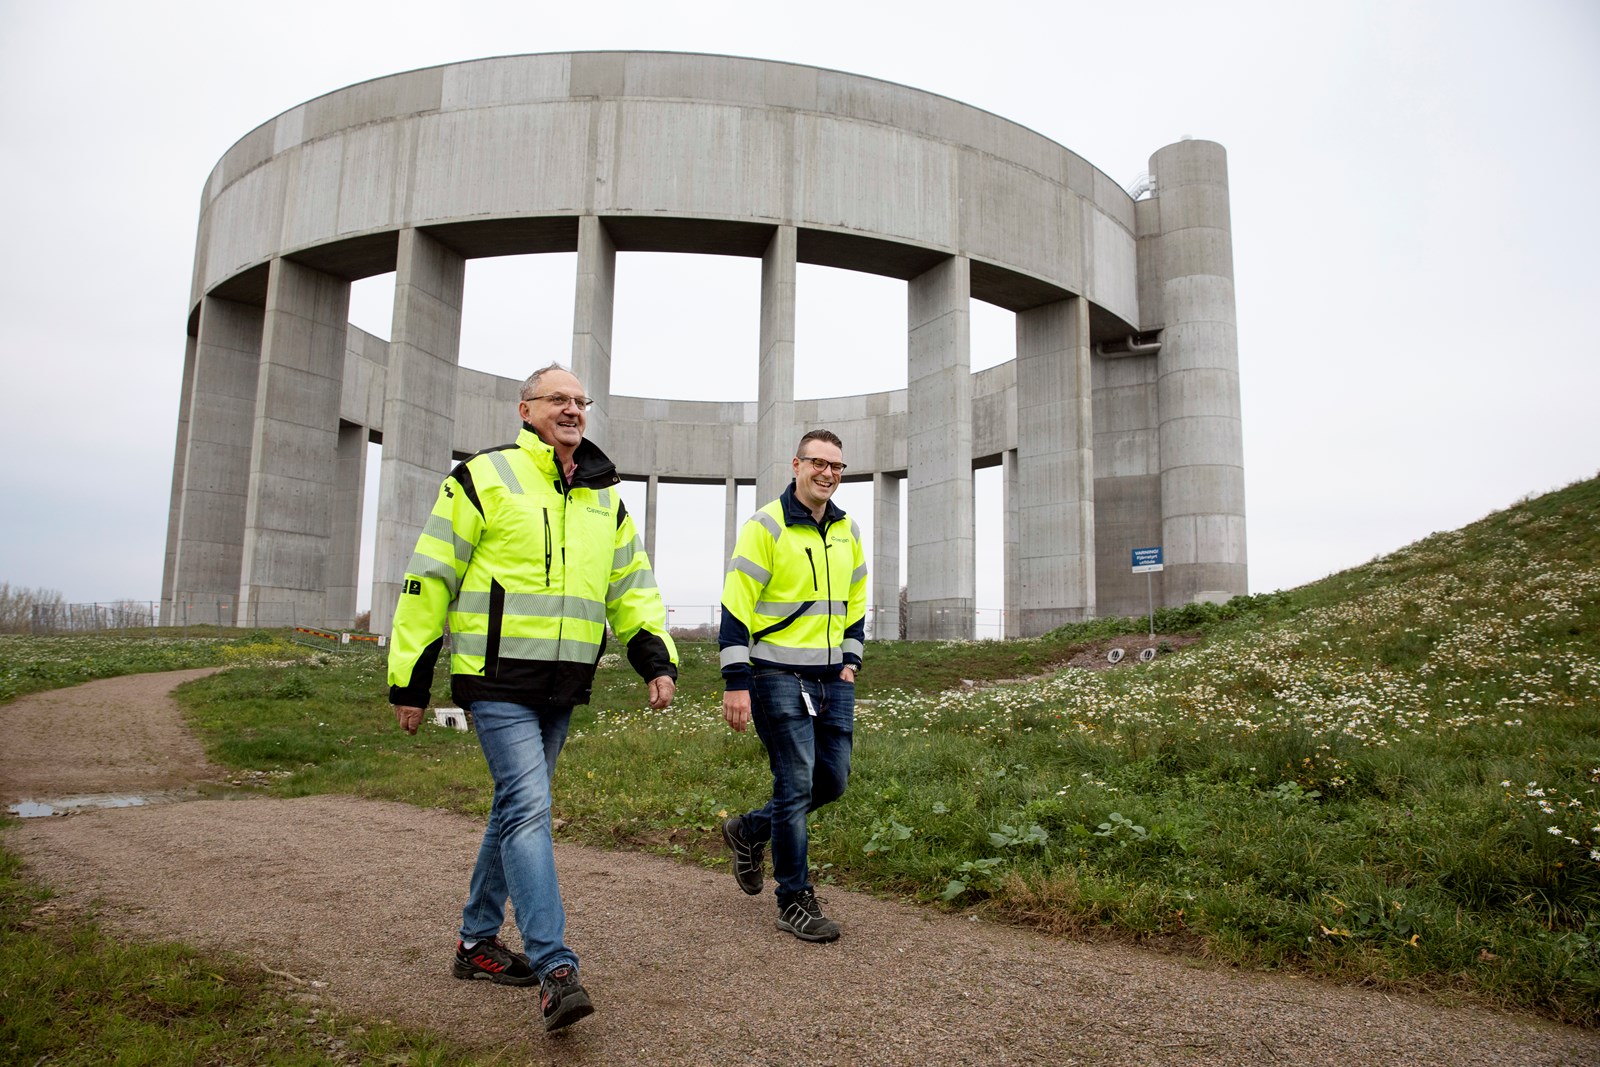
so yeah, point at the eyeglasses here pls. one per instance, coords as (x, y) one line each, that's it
(820, 465)
(561, 400)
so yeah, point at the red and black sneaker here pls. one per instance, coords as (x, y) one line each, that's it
(493, 961)
(562, 1000)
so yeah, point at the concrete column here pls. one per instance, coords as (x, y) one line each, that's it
(175, 499)
(776, 435)
(885, 557)
(1011, 535)
(595, 300)
(652, 490)
(344, 551)
(1055, 467)
(730, 521)
(294, 454)
(1127, 484)
(216, 468)
(1201, 444)
(418, 406)
(942, 577)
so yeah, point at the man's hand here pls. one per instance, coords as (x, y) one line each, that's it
(661, 692)
(408, 718)
(847, 677)
(736, 708)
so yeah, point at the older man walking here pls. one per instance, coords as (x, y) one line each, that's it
(528, 554)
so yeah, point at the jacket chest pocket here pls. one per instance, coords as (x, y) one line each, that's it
(530, 536)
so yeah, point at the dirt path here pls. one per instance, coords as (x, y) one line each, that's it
(359, 900)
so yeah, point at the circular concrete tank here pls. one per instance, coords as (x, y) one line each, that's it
(606, 152)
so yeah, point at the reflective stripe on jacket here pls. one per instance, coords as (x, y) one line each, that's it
(795, 594)
(528, 569)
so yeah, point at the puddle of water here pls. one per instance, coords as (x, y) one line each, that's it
(30, 810)
(36, 809)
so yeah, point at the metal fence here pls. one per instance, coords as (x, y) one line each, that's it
(699, 620)
(988, 623)
(92, 618)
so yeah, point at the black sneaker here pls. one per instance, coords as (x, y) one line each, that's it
(747, 855)
(562, 999)
(803, 918)
(492, 960)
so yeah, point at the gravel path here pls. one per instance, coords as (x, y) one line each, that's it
(355, 902)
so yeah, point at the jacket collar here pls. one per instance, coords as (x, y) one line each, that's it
(797, 514)
(594, 468)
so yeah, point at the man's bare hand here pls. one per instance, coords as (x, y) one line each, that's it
(661, 692)
(736, 708)
(408, 718)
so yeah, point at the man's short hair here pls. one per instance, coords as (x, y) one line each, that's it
(530, 388)
(820, 435)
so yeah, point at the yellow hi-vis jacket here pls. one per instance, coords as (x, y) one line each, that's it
(795, 595)
(528, 569)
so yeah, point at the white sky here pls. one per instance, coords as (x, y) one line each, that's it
(1414, 241)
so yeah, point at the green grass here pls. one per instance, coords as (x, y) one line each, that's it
(71, 995)
(1391, 776)
(35, 664)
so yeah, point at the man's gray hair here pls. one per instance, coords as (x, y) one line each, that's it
(530, 388)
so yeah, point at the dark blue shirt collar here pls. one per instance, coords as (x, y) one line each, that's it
(797, 514)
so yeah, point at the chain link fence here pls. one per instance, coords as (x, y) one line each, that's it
(60, 618)
(695, 622)
(690, 622)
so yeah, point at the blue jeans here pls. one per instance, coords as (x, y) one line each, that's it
(521, 743)
(810, 759)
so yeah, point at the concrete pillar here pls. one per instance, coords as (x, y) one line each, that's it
(216, 468)
(941, 573)
(776, 435)
(730, 519)
(1201, 444)
(1011, 536)
(344, 550)
(418, 406)
(595, 304)
(175, 499)
(294, 454)
(651, 494)
(885, 557)
(1055, 467)
(1127, 466)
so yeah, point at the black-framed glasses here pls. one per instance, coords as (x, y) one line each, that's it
(561, 400)
(819, 465)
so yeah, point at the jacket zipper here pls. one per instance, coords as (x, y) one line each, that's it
(497, 611)
(827, 569)
(814, 586)
(547, 548)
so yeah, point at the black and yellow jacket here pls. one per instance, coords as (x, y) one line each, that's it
(528, 569)
(795, 595)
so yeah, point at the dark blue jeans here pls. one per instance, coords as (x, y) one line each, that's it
(810, 758)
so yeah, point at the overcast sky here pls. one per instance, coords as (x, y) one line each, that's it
(1415, 240)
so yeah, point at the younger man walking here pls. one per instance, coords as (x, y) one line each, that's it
(793, 625)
